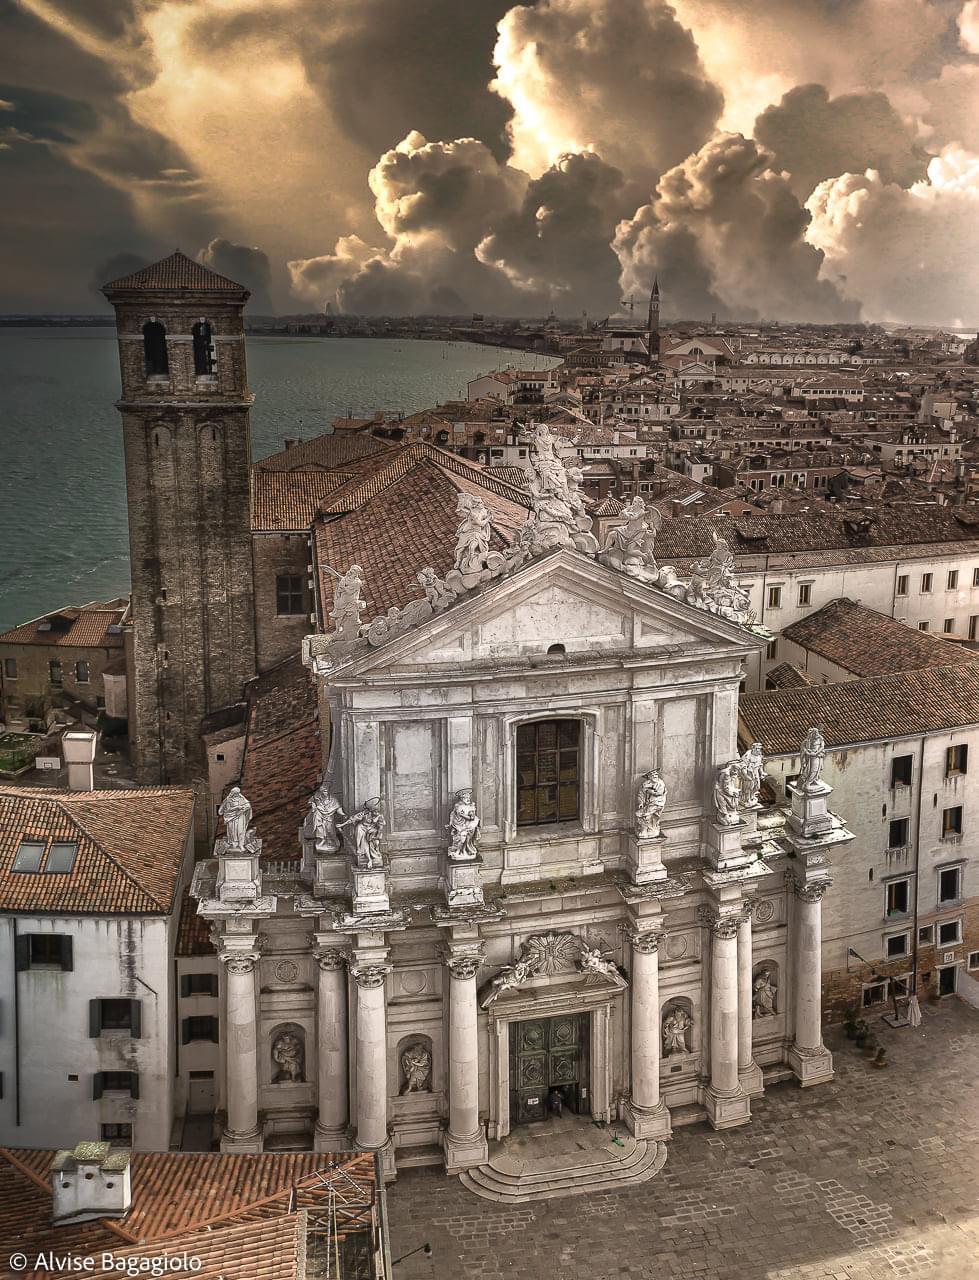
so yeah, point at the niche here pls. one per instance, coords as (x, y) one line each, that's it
(764, 989)
(415, 1065)
(677, 1027)
(288, 1048)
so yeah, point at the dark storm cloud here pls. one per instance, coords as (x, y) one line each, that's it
(813, 137)
(245, 265)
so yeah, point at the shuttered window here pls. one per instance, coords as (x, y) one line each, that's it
(548, 759)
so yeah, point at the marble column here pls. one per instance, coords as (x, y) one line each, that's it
(726, 1102)
(749, 1072)
(465, 1139)
(372, 1081)
(331, 1053)
(646, 1113)
(242, 1132)
(808, 1056)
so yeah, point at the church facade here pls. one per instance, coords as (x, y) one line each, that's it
(537, 867)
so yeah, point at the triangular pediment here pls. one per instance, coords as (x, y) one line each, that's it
(561, 599)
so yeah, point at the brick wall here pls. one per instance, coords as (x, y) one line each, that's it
(279, 636)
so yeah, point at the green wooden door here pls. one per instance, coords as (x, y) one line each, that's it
(545, 1054)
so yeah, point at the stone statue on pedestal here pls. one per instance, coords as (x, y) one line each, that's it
(812, 753)
(463, 827)
(676, 1025)
(472, 535)
(727, 794)
(631, 546)
(752, 771)
(321, 821)
(416, 1063)
(367, 826)
(650, 803)
(237, 814)
(347, 604)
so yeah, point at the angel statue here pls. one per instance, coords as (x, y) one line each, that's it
(237, 814)
(367, 826)
(472, 535)
(347, 604)
(650, 803)
(463, 827)
(727, 794)
(812, 753)
(591, 960)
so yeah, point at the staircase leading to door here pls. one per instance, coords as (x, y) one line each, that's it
(563, 1158)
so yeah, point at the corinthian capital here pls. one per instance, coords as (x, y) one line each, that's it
(811, 892)
(330, 959)
(721, 925)
(239, 962)
(370, 975)
(464, 964)
(645, 941)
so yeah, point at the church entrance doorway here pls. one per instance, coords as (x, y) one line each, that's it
(549, 1056)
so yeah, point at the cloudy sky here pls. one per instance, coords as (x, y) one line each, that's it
(787, 159)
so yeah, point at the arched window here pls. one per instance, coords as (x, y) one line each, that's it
(203, 349)
(155, 349)
(548, 772)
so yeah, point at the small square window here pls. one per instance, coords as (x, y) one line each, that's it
(922, 626)
(950, 884)
(289, 595)
(948, 626)
(61, 857)
(897, 833)
(118, 1135)
(82, 672)
(974, 626)
(873, 994)
(46, 950)
(55, 672)
(10, 668)
(897, 945)
(204, 1027)
(952, 822)
(903, 584)
(949, 933)
(774, 597)
(952, 580)
(897, 897)
(957, 759)
(115, 1015)
(974, 959)
(28, 856)
(926, 581)
(805, 593)
(901, 771)
(926, 935)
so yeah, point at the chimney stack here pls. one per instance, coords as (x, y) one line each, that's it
(78, 744)
(90, 1182)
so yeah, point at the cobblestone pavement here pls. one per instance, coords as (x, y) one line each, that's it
(869, 1178)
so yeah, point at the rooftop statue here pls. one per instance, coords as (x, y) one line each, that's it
(321, 821)
(752, 771)
(237, 815)
(630, 547)
(472, 535)
(367, 826)
(650, 803)
(463, 827)
(812, 754)
(347, 604)
(727, 794)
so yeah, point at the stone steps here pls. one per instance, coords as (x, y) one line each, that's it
(418, 1157)
(638, 1164)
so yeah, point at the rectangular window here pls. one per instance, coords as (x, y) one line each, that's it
(55, 673)
(115, 1082)
(926, 935)
(118, 1135)
(28, 856)
(897, 945)
(774, 597)
(950, 884)
(771, 650)
(922, 626)
(952, 581)
(199, 984)
(10, 668)
(949, 933)
(82, 672)
(897, 833)
(44, 951)
(952, 822)
(957, 759)
(926, 581)
(974, 626)
(61, 857)
(199, 1028)
(901, 771)
(289, 595)
(975, 577)
(948, 626)
(547, 772)
(114, 1015)
(805, 593)
(903, 584)
(874, 993)
(897, 898)
(974, 959)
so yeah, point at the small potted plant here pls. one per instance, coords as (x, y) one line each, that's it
(870, 1046)
(861, 1032)
(850, 1025)
(880, 1057)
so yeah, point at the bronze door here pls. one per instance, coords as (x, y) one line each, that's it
(546, 1054)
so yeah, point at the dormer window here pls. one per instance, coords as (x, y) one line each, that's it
(155, 350)
(203, 350)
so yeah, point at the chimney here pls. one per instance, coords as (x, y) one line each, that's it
(291, 444)
(90, 1182)
(78, 744)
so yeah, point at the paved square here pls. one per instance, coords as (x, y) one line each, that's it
(871, 1177)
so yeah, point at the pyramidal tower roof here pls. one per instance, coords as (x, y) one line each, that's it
(178, 272)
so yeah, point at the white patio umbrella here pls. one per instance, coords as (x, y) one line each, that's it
(914, 1012)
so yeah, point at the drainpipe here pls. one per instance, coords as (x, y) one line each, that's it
(917, 860)
(16, 1031)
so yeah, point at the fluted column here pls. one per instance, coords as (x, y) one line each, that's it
(242, 1132)
(646, 1113)
(727, 1104)
(749, 1073)
(331, 1052)
(372, 1085)
(808, 1056)
(465, 1140)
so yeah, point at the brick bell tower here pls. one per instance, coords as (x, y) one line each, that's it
(185, 419)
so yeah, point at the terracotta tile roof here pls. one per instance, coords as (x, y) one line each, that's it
(328, 452)
(854, 711)
(289, 500)
(404, 460)
(131, 847)
(283, 755)
(511, 474)
(608, 507)
(193, 938)
(78, 626)
(868, 643)
(176, 272)
(786, 676)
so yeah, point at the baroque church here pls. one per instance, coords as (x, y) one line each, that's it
(507, 855)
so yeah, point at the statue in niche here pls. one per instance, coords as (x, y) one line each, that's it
(367, 826)
(727, 794)
(650, 803)
(347, 604)
(463, 827)
(812, 753)
(752, 770)
(676, 1028)
(321, 821)
(416, 1063)
(237, 814)
(287, 1055)
(763, 995)
(472, 535)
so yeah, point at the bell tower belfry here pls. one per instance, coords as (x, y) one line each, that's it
(185, 417)
(652, 324)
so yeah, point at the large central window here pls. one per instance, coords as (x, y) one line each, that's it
(547, 772)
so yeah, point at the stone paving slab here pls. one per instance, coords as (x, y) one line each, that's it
(872, 1177)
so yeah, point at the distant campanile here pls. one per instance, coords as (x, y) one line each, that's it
(652, 323)
(185, 414)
